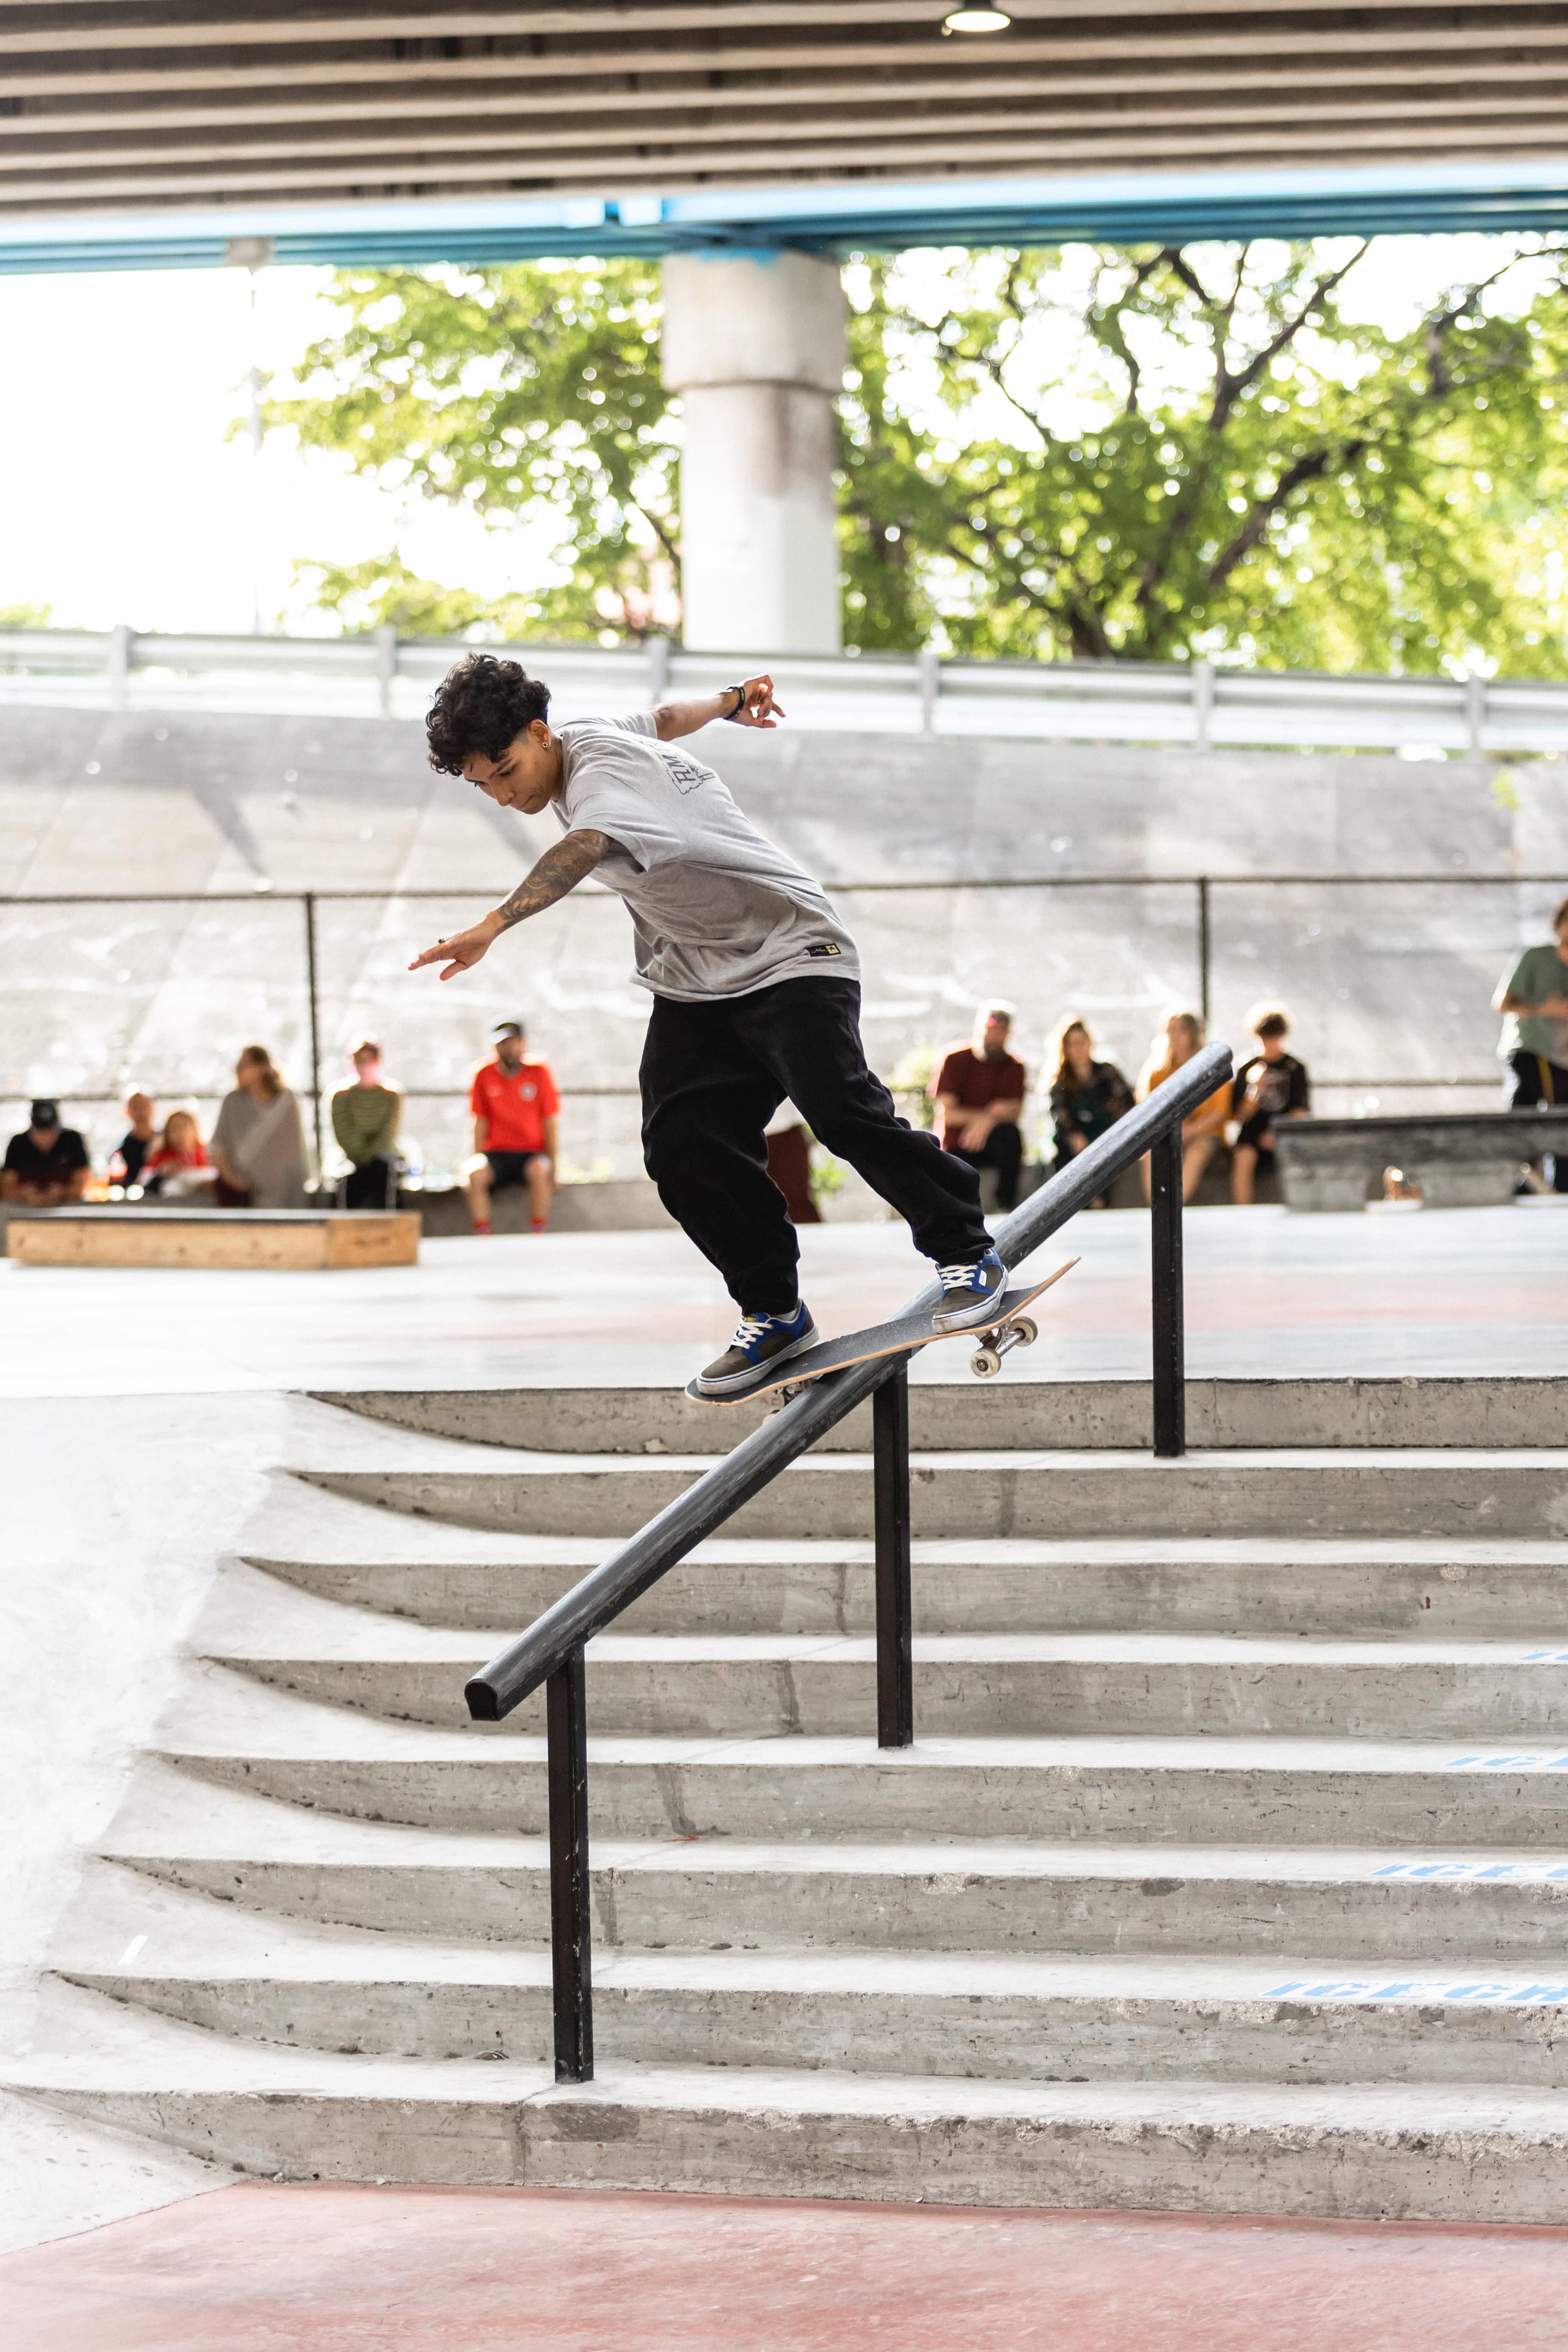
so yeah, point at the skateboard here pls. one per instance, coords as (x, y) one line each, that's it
(1007, 1327)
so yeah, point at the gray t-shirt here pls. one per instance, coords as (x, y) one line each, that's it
(716, 908)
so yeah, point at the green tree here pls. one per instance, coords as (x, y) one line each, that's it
(1156, 453)
(384, 593)
(1148, 454)
(520, 391)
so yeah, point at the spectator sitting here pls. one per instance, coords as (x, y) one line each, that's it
(979, 1091)
(365, 1117)
(513, 1102)
(125, 1161)
(47, 1164)
(1534, 1041)
(177, 1165)
(1272, 1086)
(258, 1143)
(1086, 1095)
(1204, 1127)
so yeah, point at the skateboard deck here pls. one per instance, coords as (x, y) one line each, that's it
(903, 1337)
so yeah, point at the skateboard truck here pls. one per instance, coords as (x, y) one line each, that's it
(987, 1360)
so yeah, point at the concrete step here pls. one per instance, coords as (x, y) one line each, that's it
(1421, 1410)
(1191, 1791)
(1463, 2152)
(1371, 1907)
(966, 1685)
(974, 2014)
(1330, 1493)
(1419, 1588)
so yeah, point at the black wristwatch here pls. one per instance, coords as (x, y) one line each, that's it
(731, 716)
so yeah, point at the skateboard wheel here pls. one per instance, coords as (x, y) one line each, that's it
(1026, 1332)
(985, 1364)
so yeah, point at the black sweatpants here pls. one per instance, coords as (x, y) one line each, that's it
(1541, 1084)
(372, 1184)
(1003, 1150)
(713, 1075)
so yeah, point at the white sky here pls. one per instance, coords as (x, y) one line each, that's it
(123, 500)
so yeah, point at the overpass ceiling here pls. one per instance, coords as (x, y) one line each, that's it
(643, 117)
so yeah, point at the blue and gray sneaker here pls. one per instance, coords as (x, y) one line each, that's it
(761, 1341)
(970, 1294)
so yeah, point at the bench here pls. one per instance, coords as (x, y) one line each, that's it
(278, 1240)
(617, 1205)
(1461, 1160)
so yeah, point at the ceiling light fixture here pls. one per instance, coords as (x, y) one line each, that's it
(976, 20)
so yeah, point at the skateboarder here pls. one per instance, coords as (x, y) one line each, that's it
(755, 982)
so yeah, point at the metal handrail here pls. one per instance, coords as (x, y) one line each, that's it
(602, 1594)
(552, 1650)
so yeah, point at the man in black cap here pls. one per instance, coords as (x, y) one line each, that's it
(47, 1164)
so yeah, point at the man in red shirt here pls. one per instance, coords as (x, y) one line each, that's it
(514, 1103)
(979, 1092)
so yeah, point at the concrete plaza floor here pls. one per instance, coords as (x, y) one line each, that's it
(143, 1411)
(1477, 1290)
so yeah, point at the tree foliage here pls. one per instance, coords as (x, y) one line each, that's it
(521, 390)
(1150, 453)
(1192, 451)
(384, 593)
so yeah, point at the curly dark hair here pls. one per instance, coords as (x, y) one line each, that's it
(480, 707)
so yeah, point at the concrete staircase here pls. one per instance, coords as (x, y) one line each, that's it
(1229, 1871)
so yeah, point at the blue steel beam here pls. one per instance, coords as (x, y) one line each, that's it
(1116, 209)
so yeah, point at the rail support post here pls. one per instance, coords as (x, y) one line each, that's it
(566, 1722)
(895, 1608)
(1165, 1246)
(313, 994)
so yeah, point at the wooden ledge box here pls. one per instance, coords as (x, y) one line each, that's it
(279, 1240)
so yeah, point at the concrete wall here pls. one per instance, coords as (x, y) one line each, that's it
(1385, 983)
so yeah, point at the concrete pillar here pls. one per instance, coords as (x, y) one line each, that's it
(754, 344)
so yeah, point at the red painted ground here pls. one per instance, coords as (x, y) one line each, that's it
(256, 2269)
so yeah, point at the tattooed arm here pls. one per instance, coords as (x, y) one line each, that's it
(560, 869)
(563, 866)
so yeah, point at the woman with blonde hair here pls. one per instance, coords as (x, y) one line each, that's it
(258, 1142)
(1203, 1126)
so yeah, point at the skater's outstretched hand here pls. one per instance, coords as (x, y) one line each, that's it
(561, 868)
(755, 707)
(463, 950)
(759, 709)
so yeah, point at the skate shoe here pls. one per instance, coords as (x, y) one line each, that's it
(970, 1294)
(760, 1341)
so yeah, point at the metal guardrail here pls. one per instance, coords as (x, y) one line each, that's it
(551, 1651)
(1197, 704)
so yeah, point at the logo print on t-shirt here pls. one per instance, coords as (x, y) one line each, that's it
(682, 775)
